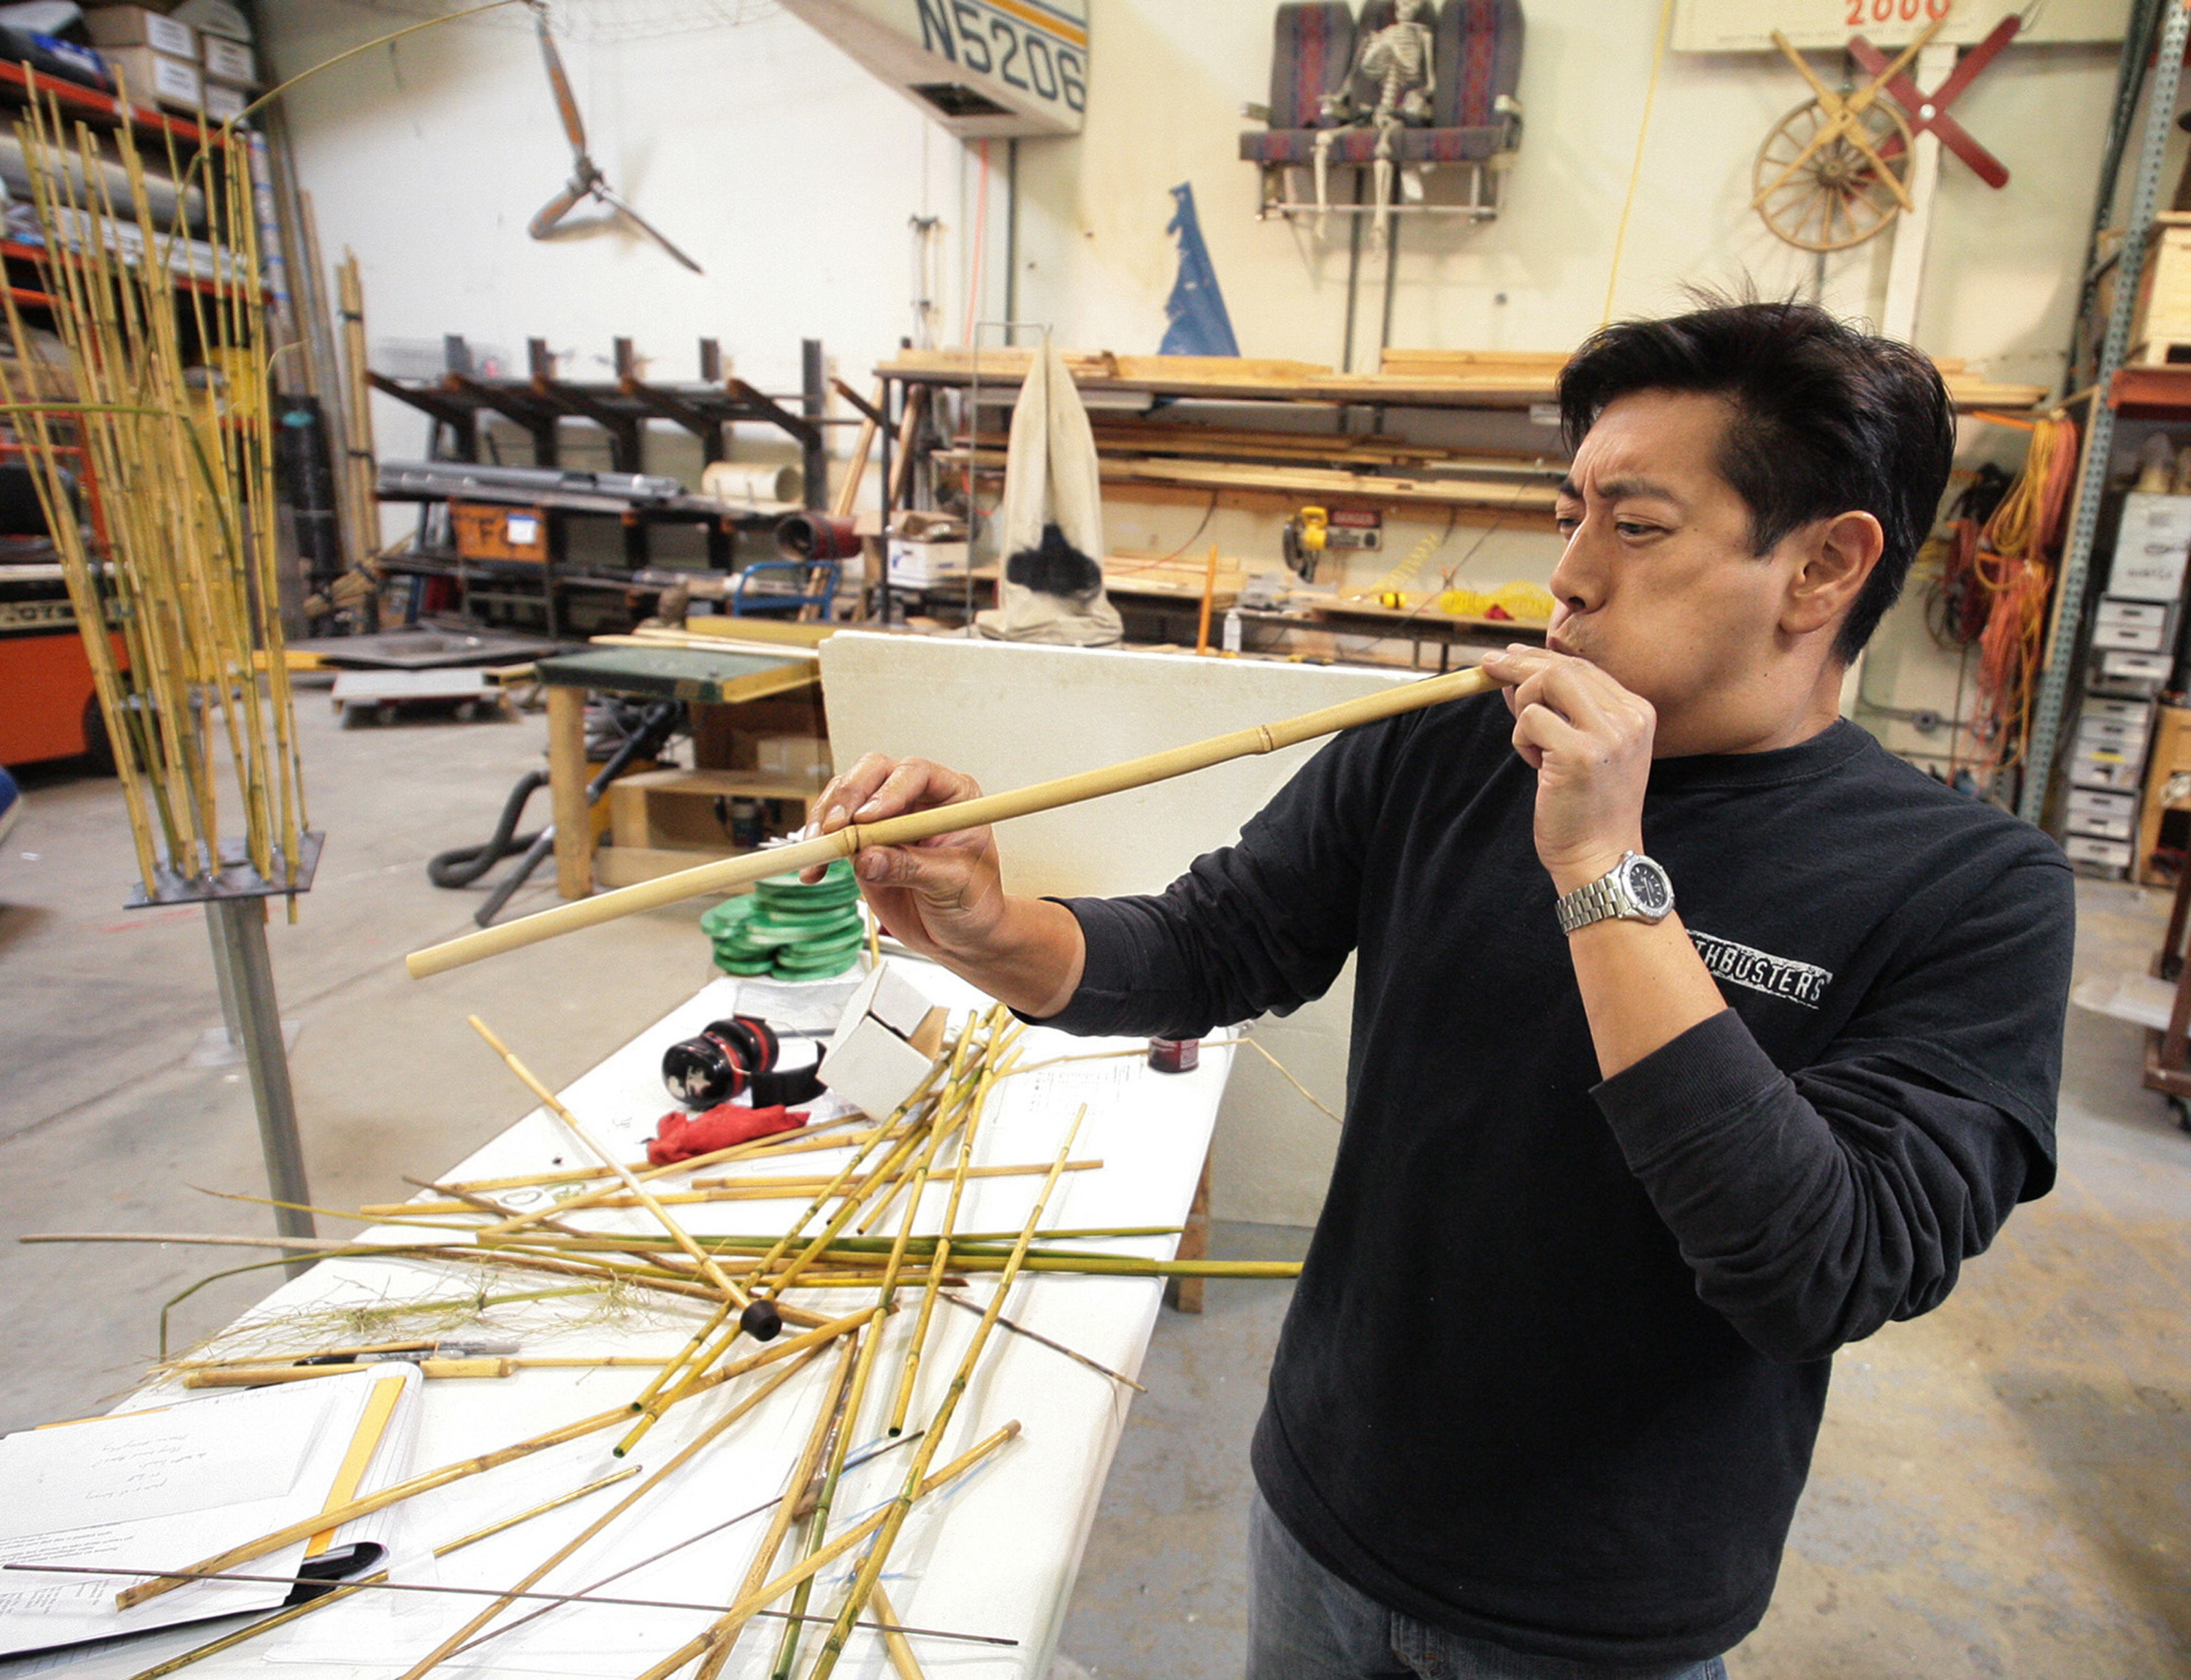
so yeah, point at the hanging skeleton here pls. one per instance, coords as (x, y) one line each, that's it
(1051, 527)
(1401, 60)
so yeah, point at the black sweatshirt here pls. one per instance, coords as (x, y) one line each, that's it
(1556, 1362)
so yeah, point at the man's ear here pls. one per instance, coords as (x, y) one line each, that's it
(1838, 555)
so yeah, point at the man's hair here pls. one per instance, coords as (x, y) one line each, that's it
(1825, 419)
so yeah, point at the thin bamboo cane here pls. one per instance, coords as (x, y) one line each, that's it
(827, 1420)
(281, 1619)
(716, 877)
(684, 1456)
(871, 1567)
(769, 1591)
(554, 1106)
(366, 1505)
(902, 1657)
(940, 1259)
(758, 1188)
(818, 1526)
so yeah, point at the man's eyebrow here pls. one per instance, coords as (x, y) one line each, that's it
(1570, 488)
(1620, 489)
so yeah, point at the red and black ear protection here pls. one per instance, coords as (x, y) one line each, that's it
(733, 1057)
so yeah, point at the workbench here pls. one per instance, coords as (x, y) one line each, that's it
(698, 677)
(994, 1554)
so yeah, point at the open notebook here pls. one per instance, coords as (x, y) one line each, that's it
(164, 1487)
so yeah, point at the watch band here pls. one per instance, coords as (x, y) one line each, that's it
(1612, 895)
(1596, 901)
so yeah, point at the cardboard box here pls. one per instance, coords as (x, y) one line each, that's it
(489, 531)
(224, 103)
(214, 17)
(884, 1042)
(2151, 544)
(173, 83)
(2121, 672)
(2104, 767)
(796, 757)
(229, 62)
(141, 27)
(2098, 856)
(925, 566)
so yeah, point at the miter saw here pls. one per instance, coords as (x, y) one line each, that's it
(586, 180)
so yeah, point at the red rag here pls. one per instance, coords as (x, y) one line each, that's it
(680, 1137)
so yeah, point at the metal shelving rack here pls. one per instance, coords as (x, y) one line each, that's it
(2064, 635)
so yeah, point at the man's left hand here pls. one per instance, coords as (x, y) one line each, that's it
(1589, 739)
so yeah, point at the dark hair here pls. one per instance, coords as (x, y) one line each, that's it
(1826, 419)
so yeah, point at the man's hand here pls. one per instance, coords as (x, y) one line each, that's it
(1589, 739)
(938, 896)
(944, 897)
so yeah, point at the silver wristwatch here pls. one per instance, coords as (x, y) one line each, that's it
(1635, 889)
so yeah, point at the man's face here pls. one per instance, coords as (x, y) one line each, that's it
(1659, 586)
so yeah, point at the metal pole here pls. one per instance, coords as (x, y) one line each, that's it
(2099, 443)
(239, 930)
(224, 976)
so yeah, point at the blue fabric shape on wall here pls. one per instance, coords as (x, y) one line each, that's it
(1199, 326)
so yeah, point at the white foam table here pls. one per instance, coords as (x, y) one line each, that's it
(994, 1554)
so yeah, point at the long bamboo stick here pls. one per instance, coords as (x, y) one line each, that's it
(1047, 796)
(677, 1461)
(646, 1197)
(807, 1568)
(871, 1566)
(827, 1420)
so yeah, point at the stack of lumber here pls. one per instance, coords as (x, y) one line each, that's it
(1406, 378)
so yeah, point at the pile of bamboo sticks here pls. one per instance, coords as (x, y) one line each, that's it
(171, 441)
(855, 1233)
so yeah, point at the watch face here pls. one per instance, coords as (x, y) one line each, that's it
(1648, 886)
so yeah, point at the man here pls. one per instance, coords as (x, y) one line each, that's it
(1607, 1198)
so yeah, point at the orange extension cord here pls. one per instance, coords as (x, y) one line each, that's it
(2008, 561)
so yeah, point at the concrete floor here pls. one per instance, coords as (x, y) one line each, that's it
(2003, 1487)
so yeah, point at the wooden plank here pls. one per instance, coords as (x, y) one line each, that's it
(567, 787)
(1506, 379)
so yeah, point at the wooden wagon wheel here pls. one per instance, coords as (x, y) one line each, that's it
(1835, 195)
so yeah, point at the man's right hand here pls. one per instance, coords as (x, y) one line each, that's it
(944, 897)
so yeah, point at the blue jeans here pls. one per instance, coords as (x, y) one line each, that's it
(1305, 1623)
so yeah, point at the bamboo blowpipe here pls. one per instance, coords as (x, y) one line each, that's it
(732, 873)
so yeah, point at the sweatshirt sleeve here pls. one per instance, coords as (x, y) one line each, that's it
(1261, 925)
(1815, 1206)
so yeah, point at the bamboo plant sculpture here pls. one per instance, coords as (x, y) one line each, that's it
(172, 429)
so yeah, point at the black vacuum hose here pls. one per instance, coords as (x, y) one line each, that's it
(464, 864)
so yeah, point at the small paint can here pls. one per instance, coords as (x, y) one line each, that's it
(1174, 1055)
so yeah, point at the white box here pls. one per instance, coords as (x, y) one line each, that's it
(223, 103)
(2111, 732)
(2105, 767)
(2105, 828)
(2150, 546)
(2147, 670)
(2138, 712)
(2102, 853)
(214, 17)
(140, 26)
(228, 61)
(170, 81)
(2134, 637)
(886, 1041)
(2114, 609)
(916, 564)
(2092, 802)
